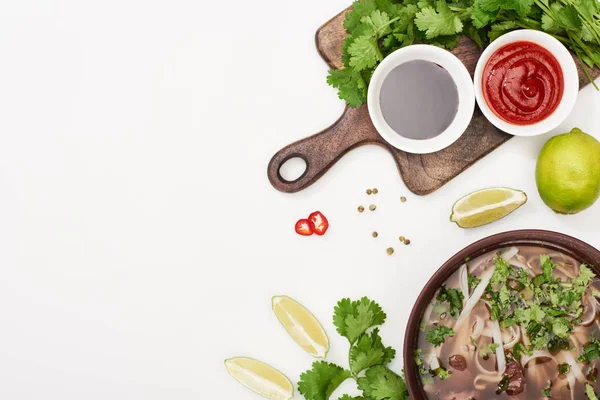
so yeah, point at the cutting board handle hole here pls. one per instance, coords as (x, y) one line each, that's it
(293, 168)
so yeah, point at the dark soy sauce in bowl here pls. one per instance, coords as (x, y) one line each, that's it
(419, 99)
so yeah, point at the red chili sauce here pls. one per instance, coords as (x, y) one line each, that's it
(522, 83)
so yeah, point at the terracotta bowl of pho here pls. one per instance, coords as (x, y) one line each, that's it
(512, 316)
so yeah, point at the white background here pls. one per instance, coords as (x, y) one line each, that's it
(140, 240)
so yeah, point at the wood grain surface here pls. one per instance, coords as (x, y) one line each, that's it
(423, 173)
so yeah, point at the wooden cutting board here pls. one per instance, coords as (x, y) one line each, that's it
(422, 174)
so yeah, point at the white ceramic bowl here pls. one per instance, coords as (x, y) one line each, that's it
(570, 78)
(464, 85)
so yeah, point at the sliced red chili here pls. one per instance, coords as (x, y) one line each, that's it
(319, 222)
(304, 227)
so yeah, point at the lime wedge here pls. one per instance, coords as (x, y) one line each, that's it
(261, 378)
(302, 326)
(485, 206)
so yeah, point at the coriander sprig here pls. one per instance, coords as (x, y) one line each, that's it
(376, 28)
(367, 358)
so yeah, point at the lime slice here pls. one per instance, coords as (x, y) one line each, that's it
(485, 206)
(302, 326)
(261, 378)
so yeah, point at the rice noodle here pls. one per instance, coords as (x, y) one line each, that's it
(480, 382)
(500, 357)
(571, 380)
(427, 313)
(434, 362)
(482, 370)
(569, 359)
(515, 337)
(564, 271)
(526, 341)
(507, 255)
(463, 277)
(487, 331)
(520, 262)
(476, 296)
(537, 354)
(576, 341)
(590, 309)
(477, 327)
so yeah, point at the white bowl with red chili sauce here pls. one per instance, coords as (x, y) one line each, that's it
(526, 83)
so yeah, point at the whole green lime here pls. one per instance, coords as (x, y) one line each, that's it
(568, 172)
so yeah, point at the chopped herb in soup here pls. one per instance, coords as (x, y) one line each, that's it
(520, 323)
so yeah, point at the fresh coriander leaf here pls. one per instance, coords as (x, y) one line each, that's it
(564, 368)
(442, 373)
(541, 342)
(547, 267)
(390, 41)
(590, 352)
(504, 296)
(369, 351)
(537, 314)
(319, 382)
(557, 343)
(360, 8)
(587, 8)
(425, 3)
(585, 276)
(379, 23)
(364, 53)
(473, 281)
(485, 351)
(489, 5)
(520, 349)
(388, 6)
(454, 297)
(523, 315)
(523, 277)
(437, 335)
(379, 383)
(561, 327)
(345, 46)
(478, 36)
(353, 318)
(419, 362)
(502, 269)
(589, 391)
(586, 34)
(448, 42)
(439, 21)
(407, 16)
(546, 392)
(481, 17)
(568, 18)
(347, 397)
(508, 322)
(350, 84)
(500, 29)
(522, 7)
(549, 24)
